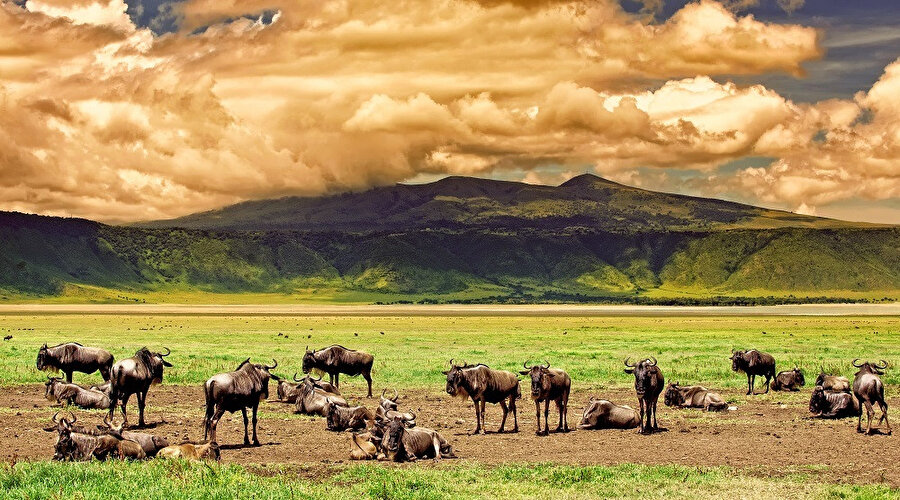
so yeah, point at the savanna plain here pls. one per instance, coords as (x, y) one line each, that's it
(767, 447)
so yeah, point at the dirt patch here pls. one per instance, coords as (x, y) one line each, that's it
(768, 434)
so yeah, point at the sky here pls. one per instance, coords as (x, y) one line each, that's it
(127, 110)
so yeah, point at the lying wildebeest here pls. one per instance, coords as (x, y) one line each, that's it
(869, 390)
(190, 451)
(789, 380)
(485, 385)
(59, 391)
(105, 388)
(321, 384)
(74, 357)
(388, 409)
(693, 396)
(149, 443)
(549, 384)
(648, 383)
(243, 388)
(135, 375)
(402, 444)
(362, 446)
(335, 360)
(342, 418)
(72, 445)
(603, 414)
(833, 383)
(753, 363)
(312, 398)
(829, 404)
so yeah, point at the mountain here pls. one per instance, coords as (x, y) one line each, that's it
(586, 201)
(458, 239)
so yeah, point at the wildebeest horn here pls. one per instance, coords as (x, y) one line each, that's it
(297, 379)
(396, 395)
(414, 416)
(168, 351)
(74, 417)
(525, 364)
(854, 362)
(382, 393)
(316, 379)
(273, 366)
(54, 417)
(547, 363)
(882, 366)
(654, 361)
(626, 362)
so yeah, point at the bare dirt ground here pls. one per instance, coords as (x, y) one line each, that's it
(769, 434)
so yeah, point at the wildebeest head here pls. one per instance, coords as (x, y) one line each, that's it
(66, 447)
(44, 360)
(738, 360)
(798, 376)
(455, 379)
(49, 385)
(309, 360)
(673, 397)
(643, 373)
(818, 403)
(389, 403)
(873, 368)
(393, 437)
(154, 361)
(540, 377)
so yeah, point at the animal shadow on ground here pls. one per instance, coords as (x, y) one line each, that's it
(241, 446)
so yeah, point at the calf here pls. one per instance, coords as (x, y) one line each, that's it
(753, 363)
(648, 383)
(603, 414)
(694, 396)
(149, 443)
(362, 446)
(485, 385)
(829, 404)
(402, 444)
(869, 390)
(342, 418)
(190, 451)
(549, 384)
(789, 380)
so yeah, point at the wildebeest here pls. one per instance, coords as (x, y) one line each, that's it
(789, 380)
(833, 383)
(72, 445)
(388, 409)
(603, 414)
(74, 357)
(648, 383)
(402, 444)
(753, 363)
(335, 360)
(869, 390)
(485, 385)
(549, 384)
(135, 375)
(190, 451)
(693, 396)
(342, 418)
(105, 388)
(829, 404)
(59, 391)
(243, 388)
(312, 398)
(362, 446)
(149, 443)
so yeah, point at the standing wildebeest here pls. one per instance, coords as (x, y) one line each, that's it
(341, 418)
(789, 380)
(135, 375)
(833, 383)
(89, 399)
(603, 414)
(243, 388)
(485, 385)
(335, 360)
(829, 404)
(549, 384)
(693, 396)
(74, 357)
(868, 389)
(312, 398)
(402, 444)
(648, 383)
(753, 363)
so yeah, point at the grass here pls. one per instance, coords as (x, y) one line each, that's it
(180, 480)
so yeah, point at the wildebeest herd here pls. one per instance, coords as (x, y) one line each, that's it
(387, 432)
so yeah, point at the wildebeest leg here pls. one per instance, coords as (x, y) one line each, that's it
(437, 448)
(565, 407)
(246, 422)
(368, 376)
(537, 415)
(870, 412)
(749, 384)
(142, 399)
(478, 416)
(512, 407)
(643, 429)
(884, 417)
(68, 376)
(337, 381)
(124, 414)
(214, 422)
(559, 409)
(768, 378)
(859, 420)
(546, 416)
(255, 439)
(655, 425)
(505, 412)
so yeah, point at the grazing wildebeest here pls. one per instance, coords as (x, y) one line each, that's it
(834, 383)
(693, 396)
(135, 375)
(869, 390)
(243, 388)
(149, 443)
(74, 357)
(549, 384)
(342, 418)
(829, 404)
(312, 398)
(753, 363)
(190, 451)
(485, 385)
(335, 360)
(402, 444)
(61, 392)
(603, 414)
(648, 383)
(789, 380)
(362, 446)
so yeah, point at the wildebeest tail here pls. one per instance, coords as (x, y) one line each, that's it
(210, 406)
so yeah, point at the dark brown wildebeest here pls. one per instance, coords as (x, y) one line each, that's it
(834, 383)
(549, 384)
(485, 385)
(312, 398)
(135, 375)
(342, 418)
(72, 445)
(789, 380)
(149, 443)
(243, 388)
(335, 360)
(363, 446)
(753, 363)
(603, 414)
(693, 396)
(74, 357)
(402, 444)
(869, 390)
(829, 404)
(648, 384)
(59, 391)
(191, 451)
